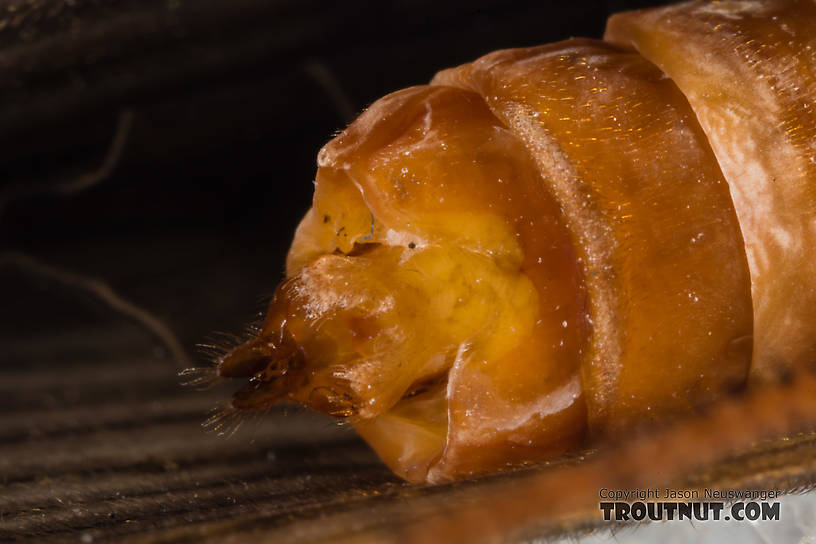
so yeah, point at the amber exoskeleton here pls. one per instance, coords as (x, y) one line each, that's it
(559, 243)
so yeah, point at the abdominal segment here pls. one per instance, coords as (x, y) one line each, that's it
(663, 261)
(490, 274)
(754, 97)
(433, 296)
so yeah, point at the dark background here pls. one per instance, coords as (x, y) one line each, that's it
(229, 102)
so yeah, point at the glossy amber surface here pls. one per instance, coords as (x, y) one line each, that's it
(435, 297)
(538, 249)
(749, 71)
(668, 314)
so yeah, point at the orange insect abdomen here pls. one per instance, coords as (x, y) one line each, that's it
(546, 246)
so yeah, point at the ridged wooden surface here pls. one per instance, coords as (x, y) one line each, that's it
(113, 450)
(103, 449)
